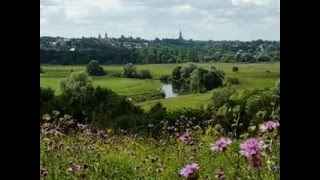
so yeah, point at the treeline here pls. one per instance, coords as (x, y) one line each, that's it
(57, 50)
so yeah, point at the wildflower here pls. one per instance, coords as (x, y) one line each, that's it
(53, 132)
(269, 126)
(70, 122)
(189, 171)
(74, 168)
(159, 170)
(252, 147)
(43, 171)
(101, 134)
(221, 144)
(87, 132)
(185, 138)
(81, 126)
(220, 175)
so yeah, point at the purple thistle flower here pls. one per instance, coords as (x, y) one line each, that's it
(159, 170)
(81, 126)
(221, 144)
(52, 132)
(269, 126)
(252, 147)
(43, 171)
(189, 170)
(101, 134)
(70, 122)
(220, 175)
(74, 168)
(185, 138)
(46, 125)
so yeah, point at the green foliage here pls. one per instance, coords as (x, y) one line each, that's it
(46, 94)
(135, 50)
(192, 78)
(232, 81)
(41, 70)
(176, 78)
(236, 113)
(94, 69)
(119, 155)
(144, 74)
(235, 69)
(75, 85)
(129, 71)
(147, 96)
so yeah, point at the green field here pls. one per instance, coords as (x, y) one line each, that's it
(250, 76)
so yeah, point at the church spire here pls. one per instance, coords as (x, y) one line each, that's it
(106, 35)
(180, 35)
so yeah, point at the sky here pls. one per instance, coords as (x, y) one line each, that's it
(243, 20)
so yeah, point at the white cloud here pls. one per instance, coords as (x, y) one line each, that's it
(198, 19)
(249, 2)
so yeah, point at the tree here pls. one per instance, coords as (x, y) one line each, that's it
(145, 74)
(263, 57)
(74, 86)
(94, 69)
(246, 57)
(213, 79)
(191, 78)
(176, 78)
(197, 80)
(235, 69)
(129, 71)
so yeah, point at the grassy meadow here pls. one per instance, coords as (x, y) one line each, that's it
(255, 75)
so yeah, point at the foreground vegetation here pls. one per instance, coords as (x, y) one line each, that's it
(71, 150)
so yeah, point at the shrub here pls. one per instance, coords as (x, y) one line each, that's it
(74, 86)
(94, 69)
(236, 113)
(145, 74)
(235, 69)
(129, 71)
(267, 71)
(41, 70)
(46, 94)
(233, 80)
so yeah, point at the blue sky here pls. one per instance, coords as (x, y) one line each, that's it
(148, 19)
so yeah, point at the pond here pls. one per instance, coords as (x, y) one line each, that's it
(167, 88)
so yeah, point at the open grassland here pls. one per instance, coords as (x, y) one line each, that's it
(250, 76)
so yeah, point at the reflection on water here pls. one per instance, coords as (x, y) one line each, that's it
(167, 88)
